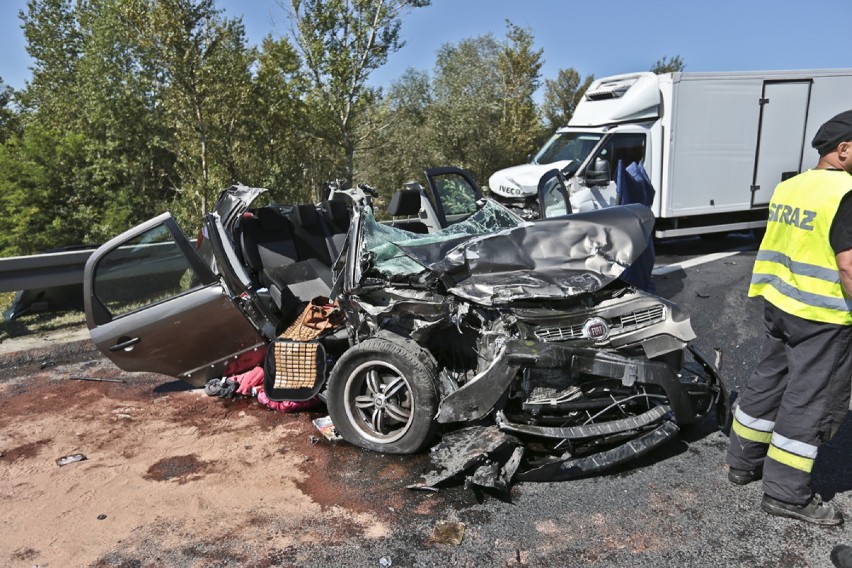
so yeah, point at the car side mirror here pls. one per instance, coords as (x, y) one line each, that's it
(598, 173)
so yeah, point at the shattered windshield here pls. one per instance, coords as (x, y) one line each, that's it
(386, 242)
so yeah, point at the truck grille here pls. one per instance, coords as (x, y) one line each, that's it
(617, 325)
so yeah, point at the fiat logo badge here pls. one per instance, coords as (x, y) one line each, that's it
(596, 328)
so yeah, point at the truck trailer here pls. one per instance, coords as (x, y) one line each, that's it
(714, 145)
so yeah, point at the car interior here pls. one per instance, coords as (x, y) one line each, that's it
(289, 250)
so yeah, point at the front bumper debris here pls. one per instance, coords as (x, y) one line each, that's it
(478, 397)
(490, 458)
(571, 468)
(585, 430)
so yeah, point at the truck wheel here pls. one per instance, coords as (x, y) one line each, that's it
(382, 395)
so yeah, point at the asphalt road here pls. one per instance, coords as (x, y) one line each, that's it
(672, 508)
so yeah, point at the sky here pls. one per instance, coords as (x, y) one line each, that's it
(594, 37)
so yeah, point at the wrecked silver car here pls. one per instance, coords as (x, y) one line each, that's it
(499, 332)
(522, 325)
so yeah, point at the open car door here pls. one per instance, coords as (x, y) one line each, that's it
(553, 197)
(454, 194)
(154, 304)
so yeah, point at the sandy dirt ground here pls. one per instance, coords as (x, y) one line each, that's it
(173, 477)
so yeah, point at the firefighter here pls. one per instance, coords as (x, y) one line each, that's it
(799, 393)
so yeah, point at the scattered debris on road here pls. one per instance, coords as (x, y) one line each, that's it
(73, 458)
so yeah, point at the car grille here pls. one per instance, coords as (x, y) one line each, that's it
(617, 325)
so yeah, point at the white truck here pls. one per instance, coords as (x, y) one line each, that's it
(714, 145)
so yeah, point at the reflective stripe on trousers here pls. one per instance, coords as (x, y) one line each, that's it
(750, 428)
(792, 453)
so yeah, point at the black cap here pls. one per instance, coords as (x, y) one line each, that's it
(833, 132)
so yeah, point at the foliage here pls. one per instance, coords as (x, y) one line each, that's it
(203, 66)
(89, 100)
(520, 70)
(465, 116)
(400, 152)
(561, 97)
(9, 123)
(278, 149)
(163, 105)
(668, 65)
(38, 194)
(342, 42)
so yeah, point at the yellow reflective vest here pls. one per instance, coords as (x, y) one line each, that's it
(796, 268)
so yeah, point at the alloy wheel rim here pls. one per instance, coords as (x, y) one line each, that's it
(379, 402)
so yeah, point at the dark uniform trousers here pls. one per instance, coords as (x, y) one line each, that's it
(796, 399)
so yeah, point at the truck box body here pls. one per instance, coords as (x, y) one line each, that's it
(715, 144)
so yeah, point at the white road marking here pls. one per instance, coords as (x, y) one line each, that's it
(668, 268)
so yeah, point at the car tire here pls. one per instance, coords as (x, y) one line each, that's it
(382, 395)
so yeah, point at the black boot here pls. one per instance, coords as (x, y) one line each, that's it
(744, 476)
(841, 556)
(814, 511)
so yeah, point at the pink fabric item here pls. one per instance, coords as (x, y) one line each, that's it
(248, 380)
(286, 405)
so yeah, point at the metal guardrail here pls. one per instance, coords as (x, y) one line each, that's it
(43, 270)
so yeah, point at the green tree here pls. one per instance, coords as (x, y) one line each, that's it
(520, 69)
(342, 42)
(668, 65)
(55, 44)
(561, 97)
(468, 107)
(129, 161)
(404, 149)
(280, 150)
(9, 116)
(204, 68)
(38, 191)
(88, 109)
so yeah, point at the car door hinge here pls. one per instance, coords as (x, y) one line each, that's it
(763, 101)
(755, 188)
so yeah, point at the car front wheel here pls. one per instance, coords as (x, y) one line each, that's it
(382, 396)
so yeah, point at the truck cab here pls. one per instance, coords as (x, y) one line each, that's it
(614, 124)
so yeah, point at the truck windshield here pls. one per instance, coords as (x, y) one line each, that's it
(574, 146)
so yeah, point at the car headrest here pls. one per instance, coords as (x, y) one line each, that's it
(271, 220)
(341, 197)
(336, 213)
(305, 215)
(404, 203)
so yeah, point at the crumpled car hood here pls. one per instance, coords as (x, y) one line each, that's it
(549, 259)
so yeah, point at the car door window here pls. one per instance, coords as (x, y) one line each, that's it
(453, 193)
(456, 194)
(145, 270)
(553, 195)
(627, 148)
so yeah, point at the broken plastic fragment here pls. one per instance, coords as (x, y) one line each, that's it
(490, 456)
(572, 468)
(73, 458)
(447, 532)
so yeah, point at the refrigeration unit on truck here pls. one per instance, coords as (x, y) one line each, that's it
(714, 145)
